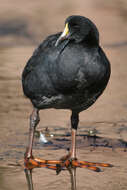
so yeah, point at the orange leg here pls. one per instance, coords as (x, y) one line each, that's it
(52, 164)
(65, 162)
(34, 120)
(71, 160)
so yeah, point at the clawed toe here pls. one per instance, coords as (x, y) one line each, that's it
(59, 165)
(74, 163)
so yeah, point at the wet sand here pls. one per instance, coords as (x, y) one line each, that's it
(108, 115)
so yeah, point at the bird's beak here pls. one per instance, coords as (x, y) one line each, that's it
(63, 36)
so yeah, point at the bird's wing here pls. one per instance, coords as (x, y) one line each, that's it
(38, 54)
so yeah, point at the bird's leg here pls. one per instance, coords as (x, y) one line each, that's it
(34, 120)
(29, 178)
(74, 125)
(29, 161)
(72, 172)
(66, 160)
(70, 159)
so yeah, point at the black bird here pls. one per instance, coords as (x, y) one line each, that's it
(68, 70)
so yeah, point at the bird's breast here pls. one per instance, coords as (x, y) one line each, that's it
(74, 66)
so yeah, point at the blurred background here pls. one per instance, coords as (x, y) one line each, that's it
(23, 25)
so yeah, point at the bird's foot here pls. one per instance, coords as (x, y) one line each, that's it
(59, 165)
(32, 163)
(28, 163)
(68, 162)
(27, 157)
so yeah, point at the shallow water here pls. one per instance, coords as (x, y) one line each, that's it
(10, 177)
(14, 114)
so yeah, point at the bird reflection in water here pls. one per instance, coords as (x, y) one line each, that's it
(72, 172)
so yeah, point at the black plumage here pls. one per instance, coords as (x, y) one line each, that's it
(68, 70)
(71, 75)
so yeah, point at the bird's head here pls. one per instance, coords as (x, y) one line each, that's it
(78, 29)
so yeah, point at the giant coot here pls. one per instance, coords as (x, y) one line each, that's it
(68, 70)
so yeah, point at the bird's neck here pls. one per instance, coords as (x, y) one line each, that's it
(92, 39)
